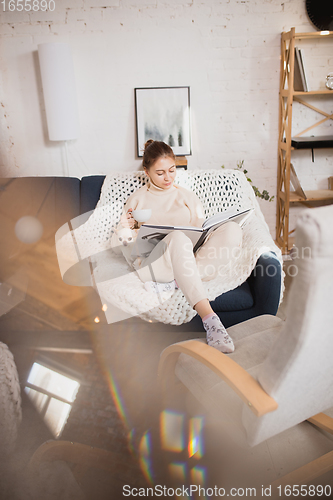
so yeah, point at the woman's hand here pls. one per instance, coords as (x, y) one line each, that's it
(127, 219)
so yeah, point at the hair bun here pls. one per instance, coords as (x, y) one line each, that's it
(148, 143)
(155, 150)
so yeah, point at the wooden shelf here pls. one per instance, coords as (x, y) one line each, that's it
(314, 34)
(314, 195)
(288, 144)
(181, 161)
(288, 35)
(286, 92)
(319, 141)
(313, 92)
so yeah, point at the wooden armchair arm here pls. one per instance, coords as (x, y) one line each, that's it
(322, 421)
(249, 390)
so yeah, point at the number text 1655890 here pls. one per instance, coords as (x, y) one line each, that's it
(28, 5)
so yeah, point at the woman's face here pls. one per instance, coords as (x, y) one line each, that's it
(163, 172)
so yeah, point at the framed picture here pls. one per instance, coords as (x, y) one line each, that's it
(163, 114)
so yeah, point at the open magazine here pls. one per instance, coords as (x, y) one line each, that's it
(149, 235)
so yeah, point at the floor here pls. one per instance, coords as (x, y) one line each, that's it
(118, 406)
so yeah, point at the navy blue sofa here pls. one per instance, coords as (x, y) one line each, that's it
(60, 199)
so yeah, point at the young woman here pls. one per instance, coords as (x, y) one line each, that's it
(172, 263)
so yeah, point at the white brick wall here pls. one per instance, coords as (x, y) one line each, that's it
(226, 51)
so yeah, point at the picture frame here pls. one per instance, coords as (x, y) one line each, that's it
(163, 114)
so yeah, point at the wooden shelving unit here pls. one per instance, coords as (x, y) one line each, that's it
(316, 195)
(286, 98)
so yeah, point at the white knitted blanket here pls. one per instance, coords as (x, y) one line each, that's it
(10, 401)
(119, 285)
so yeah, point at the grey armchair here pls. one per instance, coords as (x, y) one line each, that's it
(281, 373)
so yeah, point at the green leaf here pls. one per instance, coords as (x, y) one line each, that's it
(265, 194)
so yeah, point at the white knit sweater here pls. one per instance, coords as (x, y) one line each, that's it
(175, 206)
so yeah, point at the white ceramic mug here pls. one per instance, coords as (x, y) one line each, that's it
(142, 215)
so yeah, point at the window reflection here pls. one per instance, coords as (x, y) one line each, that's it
(52, 394)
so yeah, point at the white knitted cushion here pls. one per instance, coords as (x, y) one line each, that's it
(119, 285)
